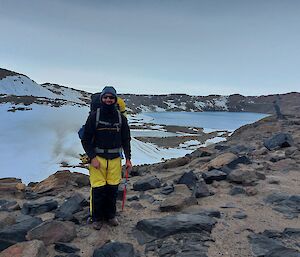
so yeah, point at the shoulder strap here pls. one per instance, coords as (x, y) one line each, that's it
(97, 116)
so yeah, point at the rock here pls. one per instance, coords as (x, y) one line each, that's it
(6, 205)
(221, 147)
(182, 189)
(115, 249)
(200, 190)
(279, 140)
(70, 206)
(17, 232)
(221, 160)
(236, 190)
(174, 224)
(240, 215)
(241, 149)
(33, 248)
(240, 160)
(167, 190)
(139, 170)
(59, 181)
(213, 175)
(243, 176)
(289, 205)
(146, 183)
(174, 163)
(39, 208)
(176, 202)
(289, 152)
(269, 247)
(251, 191)
(65, 248)
(132, 198)
(228, 206)
(276, 156)
(81, 216)
(189, 179)
(53, 231)
(200, 152)
(11, 186)
(6, 219)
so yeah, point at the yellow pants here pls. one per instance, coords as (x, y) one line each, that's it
(109, 173)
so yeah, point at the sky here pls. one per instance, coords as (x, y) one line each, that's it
(197, 47)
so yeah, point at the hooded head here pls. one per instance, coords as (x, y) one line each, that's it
(108, 90)
(108, 104)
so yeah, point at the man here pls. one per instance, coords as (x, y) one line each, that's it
(106, 134)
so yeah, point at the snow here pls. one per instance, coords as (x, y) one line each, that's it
(213, 141)
(200, 105)
(20, 85)
(170, 104)
(221, 102)
(151, 133)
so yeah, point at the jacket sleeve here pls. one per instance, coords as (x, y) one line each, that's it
(126, 138)
(88, 135)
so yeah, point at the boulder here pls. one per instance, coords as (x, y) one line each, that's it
(176, 202)
(221, 160)
(168, 189)
(65, 248)
(59, 181)
(70, 206)
(244, 176)
(17, 232)
(6, 219)
(189, 179)
(279, 140)
(6, 205)
(146, 183)
(237, 190)
(200, 190)
(213, 175)
(289, 205)
(173, 224)
(240, 160)
(11, 186)
(36, 208)
(33, 248)
(53, 231)
(116, 249)
(174, 163)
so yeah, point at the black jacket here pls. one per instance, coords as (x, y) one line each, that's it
(106, 136)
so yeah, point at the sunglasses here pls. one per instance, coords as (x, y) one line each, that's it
(108, 97)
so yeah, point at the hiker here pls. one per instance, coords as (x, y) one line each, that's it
(106, 133)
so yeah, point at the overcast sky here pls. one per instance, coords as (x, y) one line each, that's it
(156, 46)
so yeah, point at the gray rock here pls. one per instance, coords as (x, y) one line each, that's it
(174, 224)
(65, 248)
(279, 140)
(213, 175)
(245, 177)
(200, 190)
(53, 231)
(289, 205)
(39, 208)
(168, 189)
(115, 249)
(70, 206)
(6, 205)
(240, 215)
(240, 160)
(189, 179)
(17, 232)
(236, 190)
(146, 184)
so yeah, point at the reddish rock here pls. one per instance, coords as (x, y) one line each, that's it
(33, 248)
(53, 231)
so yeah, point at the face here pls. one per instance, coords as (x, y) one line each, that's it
(108, 99)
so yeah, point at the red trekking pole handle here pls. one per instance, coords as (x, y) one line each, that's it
(125, 188)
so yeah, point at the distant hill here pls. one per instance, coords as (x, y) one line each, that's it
(19, 89)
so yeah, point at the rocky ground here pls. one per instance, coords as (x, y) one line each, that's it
(235, 198)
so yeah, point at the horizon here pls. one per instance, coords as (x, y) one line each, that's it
(192, 47)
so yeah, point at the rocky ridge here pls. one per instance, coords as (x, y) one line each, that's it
(60, 95)
(236, 198)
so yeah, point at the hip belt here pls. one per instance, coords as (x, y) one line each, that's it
(113, 150)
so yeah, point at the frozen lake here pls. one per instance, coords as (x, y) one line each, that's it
(208, 120)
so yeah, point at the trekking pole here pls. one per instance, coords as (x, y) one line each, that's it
(125, 188)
